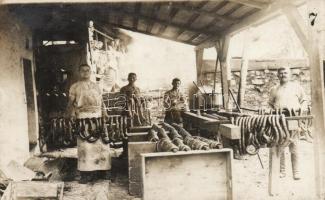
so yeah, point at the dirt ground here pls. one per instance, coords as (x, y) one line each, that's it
(250, 180)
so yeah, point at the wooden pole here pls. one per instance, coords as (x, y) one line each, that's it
(274, 171)
(316, 33)
(199, 63)
(225, 75)
(215, 71)
(243, 69)
(199, 67)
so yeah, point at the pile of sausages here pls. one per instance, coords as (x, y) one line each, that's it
(64, 132)
(258, 130)
(175, 138)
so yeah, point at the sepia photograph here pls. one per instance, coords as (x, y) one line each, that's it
(162, 100)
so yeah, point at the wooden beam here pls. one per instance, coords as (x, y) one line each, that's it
(205, 12)
(199, 63)
(139, 31)
(258, 17)
(192, 18)
(160, 21)
(255, 19)
(251, 3)
(172, 13)
(297, 23)
(236, 7)
(216, 20)
(154, 13)
(316, 35)
(137, 12)
(244, 69)
(222, 50)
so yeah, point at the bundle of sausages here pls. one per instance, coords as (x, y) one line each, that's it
(64, 132)
(257, 130)
(176, 138)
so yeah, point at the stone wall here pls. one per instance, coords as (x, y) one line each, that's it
(261, 77)
(260, 82)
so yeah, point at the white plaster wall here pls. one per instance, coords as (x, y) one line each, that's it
(13, 110)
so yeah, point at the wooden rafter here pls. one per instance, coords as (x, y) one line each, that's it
(205, 12)
(254, 19)
(154, 13)
(172, 13)
(251, 3)
(192, 18)
(213, 22)
(297, 23)
(236, 7)
(139, 31)
(137, 10)
(219, 6)
(160, 21)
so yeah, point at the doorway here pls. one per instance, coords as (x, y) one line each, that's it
(30, 102)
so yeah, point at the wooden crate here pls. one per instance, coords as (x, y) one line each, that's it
(29, 190)
(138, 137)
(187, 175)
(230, 131)
(135, 149)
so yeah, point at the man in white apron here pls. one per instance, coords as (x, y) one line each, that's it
(85, 101)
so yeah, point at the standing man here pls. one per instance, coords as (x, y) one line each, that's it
(288, 95)
(85, 101)
(174, 103)
(133, 101)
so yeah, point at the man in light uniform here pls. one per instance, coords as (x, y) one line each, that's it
(289, 95)
(174, 103)
(85, 101)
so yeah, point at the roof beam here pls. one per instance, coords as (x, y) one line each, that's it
(297, 23)
(251, 3)
(154, 13)
(172, 13)
(206, 13)
(192, 18)
(144, 32)
(255, 19)
(137, 12)
(162, 22)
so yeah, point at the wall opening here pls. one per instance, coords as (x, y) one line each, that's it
(30, 102)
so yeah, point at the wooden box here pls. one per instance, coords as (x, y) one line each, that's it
(135, 149)
(230, 131)
(29, 190)
(189, 175)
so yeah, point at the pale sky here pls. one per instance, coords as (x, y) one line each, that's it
(157, 61)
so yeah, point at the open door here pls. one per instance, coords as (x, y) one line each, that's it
(30, 102)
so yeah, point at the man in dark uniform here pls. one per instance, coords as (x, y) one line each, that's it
(174, 103)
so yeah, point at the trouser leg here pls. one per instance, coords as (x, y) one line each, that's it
(282, 161)
(295, 158)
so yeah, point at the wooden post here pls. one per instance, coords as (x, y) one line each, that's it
(199, 68)
(243, 69)
(274, 171)
(316, 33)
(222, 50)
(199, 63)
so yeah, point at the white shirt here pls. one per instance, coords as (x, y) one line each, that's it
(290, 95)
